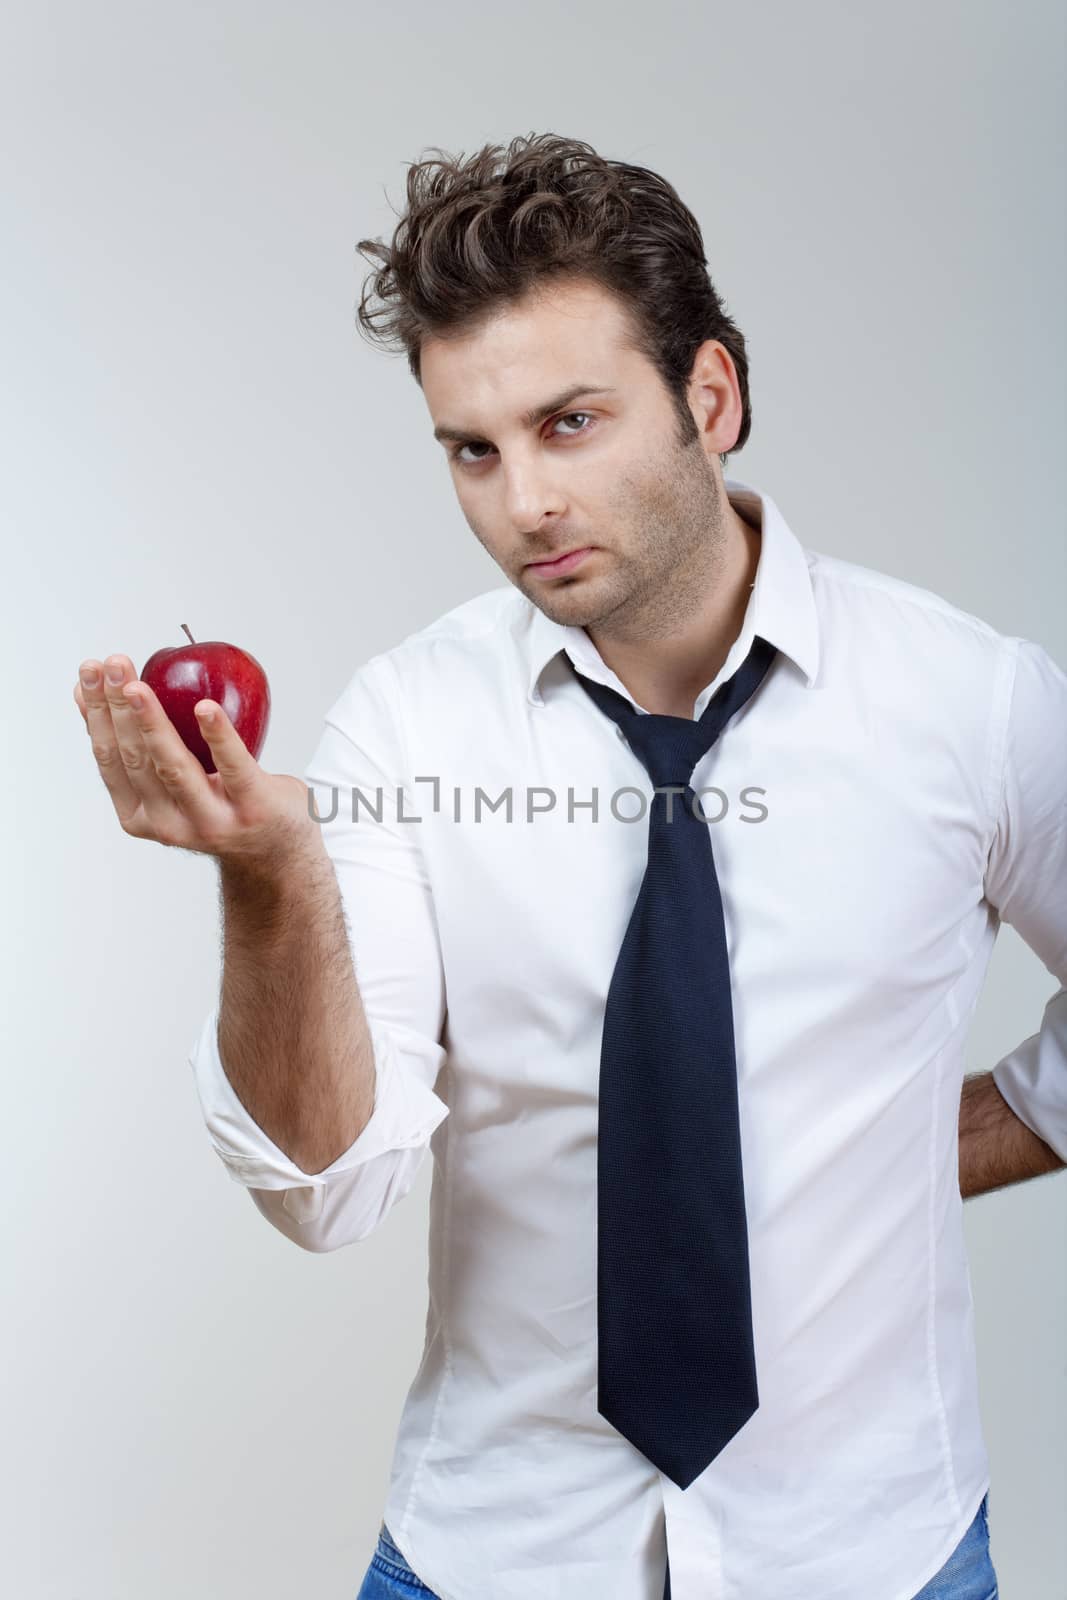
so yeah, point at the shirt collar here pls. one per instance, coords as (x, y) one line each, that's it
(781, 608)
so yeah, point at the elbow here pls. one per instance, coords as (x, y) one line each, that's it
(346, 1209)
(297, 1214)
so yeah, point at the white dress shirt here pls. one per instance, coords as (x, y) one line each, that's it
(894, 789)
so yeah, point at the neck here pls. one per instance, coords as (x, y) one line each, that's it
(666, 669)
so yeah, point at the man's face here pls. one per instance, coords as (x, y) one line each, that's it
(603, 471)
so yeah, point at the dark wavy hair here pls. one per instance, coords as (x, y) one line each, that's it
(482, 231)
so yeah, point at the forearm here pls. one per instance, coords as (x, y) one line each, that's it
(292, 1033)
(996, 1147)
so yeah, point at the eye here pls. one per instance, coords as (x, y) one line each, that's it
(570, 418)
(456, 454)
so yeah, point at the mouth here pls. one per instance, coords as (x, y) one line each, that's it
(564, 563)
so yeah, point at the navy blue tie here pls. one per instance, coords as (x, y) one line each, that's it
(676, 1364)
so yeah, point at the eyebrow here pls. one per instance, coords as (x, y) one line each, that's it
(531, 418)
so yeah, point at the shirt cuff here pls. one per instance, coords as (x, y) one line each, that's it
(406, 1112)
(1033, 1078)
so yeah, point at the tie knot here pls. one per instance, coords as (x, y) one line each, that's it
(670, 747)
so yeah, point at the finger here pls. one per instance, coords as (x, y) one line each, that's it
(178, 770)
(142, 775)
(101, 731)
(236, 765)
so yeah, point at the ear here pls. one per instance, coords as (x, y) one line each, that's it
(714, 397)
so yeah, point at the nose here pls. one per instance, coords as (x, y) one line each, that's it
(530, 495)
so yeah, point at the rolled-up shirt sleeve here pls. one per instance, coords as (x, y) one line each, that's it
(357, 777)
(1026, 875)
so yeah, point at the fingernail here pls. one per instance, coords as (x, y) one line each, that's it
(114, 673)
(89, 677)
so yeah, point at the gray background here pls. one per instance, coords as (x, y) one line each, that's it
(195, 433)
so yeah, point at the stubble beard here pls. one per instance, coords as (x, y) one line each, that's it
(676, 524)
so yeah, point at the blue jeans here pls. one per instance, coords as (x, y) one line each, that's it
(389, 1577)
(967, 1574)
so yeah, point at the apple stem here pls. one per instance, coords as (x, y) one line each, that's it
(186, 627)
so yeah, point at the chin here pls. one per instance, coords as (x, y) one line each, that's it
(572, 610)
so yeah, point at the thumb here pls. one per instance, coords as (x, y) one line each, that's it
(234, 762)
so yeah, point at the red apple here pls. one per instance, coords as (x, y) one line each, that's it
(186, 673)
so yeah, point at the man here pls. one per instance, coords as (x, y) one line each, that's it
(700, 1320)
